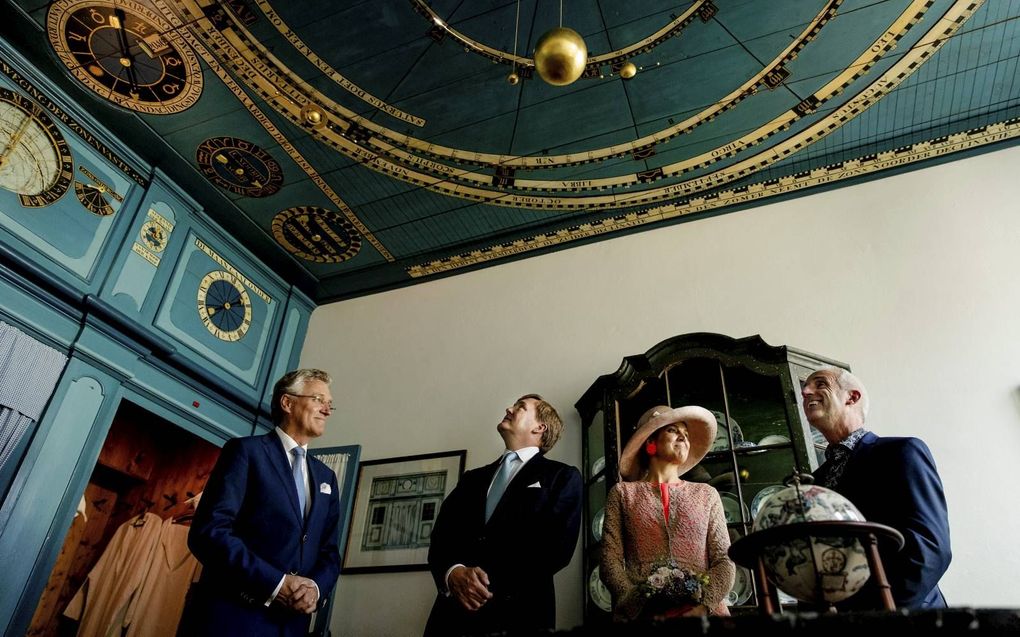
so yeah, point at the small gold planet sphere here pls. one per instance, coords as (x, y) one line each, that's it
(628, 70)
(313, 115)
(560, 56)
(513, 78)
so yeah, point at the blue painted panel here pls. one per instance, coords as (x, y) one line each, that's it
(179, 315)
(144, 251)
(52, 322)
(200, 410)
(72, 230)
(288, 345)
(33, 526)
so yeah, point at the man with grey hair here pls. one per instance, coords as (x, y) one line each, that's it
(892, 481)
(267, 526)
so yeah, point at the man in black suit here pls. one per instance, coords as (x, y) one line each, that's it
(505, 530)
(892, 481)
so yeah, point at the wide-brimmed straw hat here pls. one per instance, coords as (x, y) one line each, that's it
(701, 429)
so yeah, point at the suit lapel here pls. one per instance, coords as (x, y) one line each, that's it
(317, 478)
(858, 458)
(278, 459)
(528, 474)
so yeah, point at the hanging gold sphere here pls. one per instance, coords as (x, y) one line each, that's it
(513, 78)
(628, 70)
(560, 56)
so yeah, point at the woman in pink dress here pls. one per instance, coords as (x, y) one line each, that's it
(664, 539)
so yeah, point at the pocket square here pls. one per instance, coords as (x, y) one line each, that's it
(537, 485)
(325, 488)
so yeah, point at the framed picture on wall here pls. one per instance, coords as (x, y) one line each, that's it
(396, 503)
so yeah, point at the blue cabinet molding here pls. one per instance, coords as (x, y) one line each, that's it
(130, 319)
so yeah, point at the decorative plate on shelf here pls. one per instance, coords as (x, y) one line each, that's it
(598, 591)
(742, 586)
(786, 600)
(722, 442)
(598, 465)
(820, 444)
(732, 507)
(761, 496)
(774, 439)
(596, 524)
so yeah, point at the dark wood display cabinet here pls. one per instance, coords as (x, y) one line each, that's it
(754, 390)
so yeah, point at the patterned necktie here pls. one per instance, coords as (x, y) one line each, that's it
(836, 456)
(499, 483)
(299, 477)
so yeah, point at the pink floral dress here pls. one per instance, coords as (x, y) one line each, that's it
(634, 538)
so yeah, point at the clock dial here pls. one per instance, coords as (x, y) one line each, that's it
(92, 198)
(126, 53)
(35, 160)
(153, 236)
(316, 234)
(224, 305)
(239, 166)
(95, 194)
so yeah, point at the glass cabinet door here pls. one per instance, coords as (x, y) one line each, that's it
(752, 388)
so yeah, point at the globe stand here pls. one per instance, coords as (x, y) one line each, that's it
(748, 552)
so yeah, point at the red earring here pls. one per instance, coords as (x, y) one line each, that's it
(650, 448)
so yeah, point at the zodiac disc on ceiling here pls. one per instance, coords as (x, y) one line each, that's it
(316, 234)
(126, 53)
(239, 166)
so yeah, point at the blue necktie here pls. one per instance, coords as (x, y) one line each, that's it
(499, 483)
(299, 478)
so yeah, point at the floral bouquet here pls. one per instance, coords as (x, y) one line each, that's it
(671, 587)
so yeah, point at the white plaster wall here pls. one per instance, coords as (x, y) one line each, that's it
(911, 279)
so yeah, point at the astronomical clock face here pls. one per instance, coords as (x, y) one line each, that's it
(239, 166)
(126, 53)
(96, 195)
(316, 234)
(153, 236)
(35, 160)
(224, 305)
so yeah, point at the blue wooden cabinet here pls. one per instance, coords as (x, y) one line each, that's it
(107, 261)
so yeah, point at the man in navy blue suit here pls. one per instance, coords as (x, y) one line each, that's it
(505, 530)
(892, 481)
(266, 529)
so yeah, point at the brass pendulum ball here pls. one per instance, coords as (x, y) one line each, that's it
(513, 78)
(560, 56)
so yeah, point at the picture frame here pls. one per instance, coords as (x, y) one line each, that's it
(396, 503)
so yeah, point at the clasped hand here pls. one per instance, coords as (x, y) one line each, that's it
(470, 585)
(298, 593)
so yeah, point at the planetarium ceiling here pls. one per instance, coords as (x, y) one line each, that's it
(359, 146)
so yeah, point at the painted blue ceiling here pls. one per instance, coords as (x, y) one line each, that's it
(443, 165)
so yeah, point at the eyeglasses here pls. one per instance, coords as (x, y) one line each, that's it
(317, 398)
